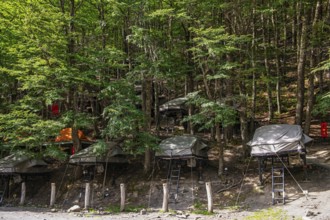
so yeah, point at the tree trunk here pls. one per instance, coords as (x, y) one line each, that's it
(301, 73)
(229, 130)
(253, 64)
(189, 78)
(244, 133)
(310, 103)
(310, 93)
(147, 112)
(298, 18)
(277, 62)
(148, 102)
(220, 146)
(156, 106)
(243, 120)
(267, 69)
(74, 131)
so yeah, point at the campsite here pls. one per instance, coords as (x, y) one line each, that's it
(252, 199)
(176, 109)
(237, 195)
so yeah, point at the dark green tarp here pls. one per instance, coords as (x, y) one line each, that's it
(185, 146)
(18, 164)
(109, 153)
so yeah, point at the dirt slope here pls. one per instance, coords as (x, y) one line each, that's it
(235, 196)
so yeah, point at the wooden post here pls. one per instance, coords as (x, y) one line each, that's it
(209, 197)
(87, 195)
(122, 196)
(23, 193)
(52, 194)
(165, 197)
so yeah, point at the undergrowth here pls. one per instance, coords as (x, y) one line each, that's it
(270, 214)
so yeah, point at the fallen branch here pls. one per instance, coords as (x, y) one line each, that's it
(229, 187)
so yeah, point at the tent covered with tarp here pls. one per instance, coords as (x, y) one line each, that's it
(178, 104)
(278, 139)
(182, 147)
(104, 152)
(20, 164)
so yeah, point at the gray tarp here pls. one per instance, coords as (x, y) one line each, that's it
(112, 154)
(278, 139)
(22, 164)
(182, 147)
(175, 104)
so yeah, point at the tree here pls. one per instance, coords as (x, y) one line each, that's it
(25, 132)
(210, 45)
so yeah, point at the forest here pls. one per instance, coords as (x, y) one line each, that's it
(106, 66)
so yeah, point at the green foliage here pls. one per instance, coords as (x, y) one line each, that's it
(210, 112)
(25, 131)
(140, 142)
(116, 208)
(270, 214)
(48, 53)
(122, 116)
(76, 119)
(54, 152)
(322, 105)
(124, 119)
(199, 208)
(100, 148)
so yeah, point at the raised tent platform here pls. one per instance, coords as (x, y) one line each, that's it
(278, 141)
(110, 152)
(182, 147)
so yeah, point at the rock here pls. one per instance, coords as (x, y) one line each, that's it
(184, 216)
(179, 212)
(143, 212)
(53, 210)
(75, 208)
(309, 213)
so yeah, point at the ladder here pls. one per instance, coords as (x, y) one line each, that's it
(278, 186)
(174, 179)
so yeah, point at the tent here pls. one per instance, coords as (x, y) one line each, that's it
(110, 153)
(182, 147)
(64, 140)
(278, 139)
(177, 104)
(66, 135)
(18, 164)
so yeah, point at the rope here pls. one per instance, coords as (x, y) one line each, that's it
(244, 174)
(192, 185)
(151, 182)
(290, 172)
(105, 172)
(66, 168)
(303, 191)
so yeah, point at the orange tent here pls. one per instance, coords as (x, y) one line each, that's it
(66, 135)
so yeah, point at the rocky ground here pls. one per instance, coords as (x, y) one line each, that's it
(236, 196)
